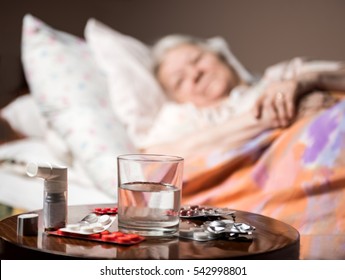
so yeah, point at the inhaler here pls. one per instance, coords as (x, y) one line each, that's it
(55, 193)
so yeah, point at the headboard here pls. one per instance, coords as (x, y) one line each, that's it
(260, 33)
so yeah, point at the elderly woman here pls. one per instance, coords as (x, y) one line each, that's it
(273, 146)
(206, 75)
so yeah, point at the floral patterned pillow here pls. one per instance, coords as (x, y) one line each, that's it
(72, 94)
(135, 94)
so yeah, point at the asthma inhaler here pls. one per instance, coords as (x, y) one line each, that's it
(55, 193)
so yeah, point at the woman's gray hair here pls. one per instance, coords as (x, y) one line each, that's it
(216, 44)
(162, 46)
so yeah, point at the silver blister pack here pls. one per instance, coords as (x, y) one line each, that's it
(229, 229)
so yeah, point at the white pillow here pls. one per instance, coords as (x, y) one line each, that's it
(135, 95)
(24, 116)
(72, 94)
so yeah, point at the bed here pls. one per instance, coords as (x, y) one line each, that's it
(59, 62)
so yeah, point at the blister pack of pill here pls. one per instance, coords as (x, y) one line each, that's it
(196, 233)
(115, 237)
(216, 229)
(94, 226)
(105, 210)
(199, 211)
(91, 223)
(228, 229)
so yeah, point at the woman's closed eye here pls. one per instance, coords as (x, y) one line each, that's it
(197, 57)
(187, 71)
(178, 82)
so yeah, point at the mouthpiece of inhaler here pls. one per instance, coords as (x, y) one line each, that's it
(47, 171)
(55, 177)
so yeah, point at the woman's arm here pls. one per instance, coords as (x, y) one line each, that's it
(280, 97)
(331, 81)
(233, 133)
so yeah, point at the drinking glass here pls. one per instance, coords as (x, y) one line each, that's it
(149, 193)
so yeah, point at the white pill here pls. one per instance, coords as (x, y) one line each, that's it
(98, 228)
(96, 225)
(104, 219)
(73, 226)
(90, 218)
(86, 229)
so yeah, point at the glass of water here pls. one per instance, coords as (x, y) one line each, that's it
(149, 193)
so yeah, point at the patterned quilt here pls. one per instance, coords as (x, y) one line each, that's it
(296, 175)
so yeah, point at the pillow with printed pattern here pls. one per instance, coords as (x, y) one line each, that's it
(72, 94)
(135, 94)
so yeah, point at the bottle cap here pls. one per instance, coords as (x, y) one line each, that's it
(27, 224)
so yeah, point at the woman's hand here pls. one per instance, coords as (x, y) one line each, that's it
(278, 101)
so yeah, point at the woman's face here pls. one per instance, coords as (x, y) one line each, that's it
(191, 74)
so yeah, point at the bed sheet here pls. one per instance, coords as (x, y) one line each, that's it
(27, 193)
(20, 191)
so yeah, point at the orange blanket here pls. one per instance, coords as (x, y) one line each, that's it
(296, 175)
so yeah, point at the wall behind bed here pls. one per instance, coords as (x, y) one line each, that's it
(259, 32)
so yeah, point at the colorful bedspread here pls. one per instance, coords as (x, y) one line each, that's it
(296, 175)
